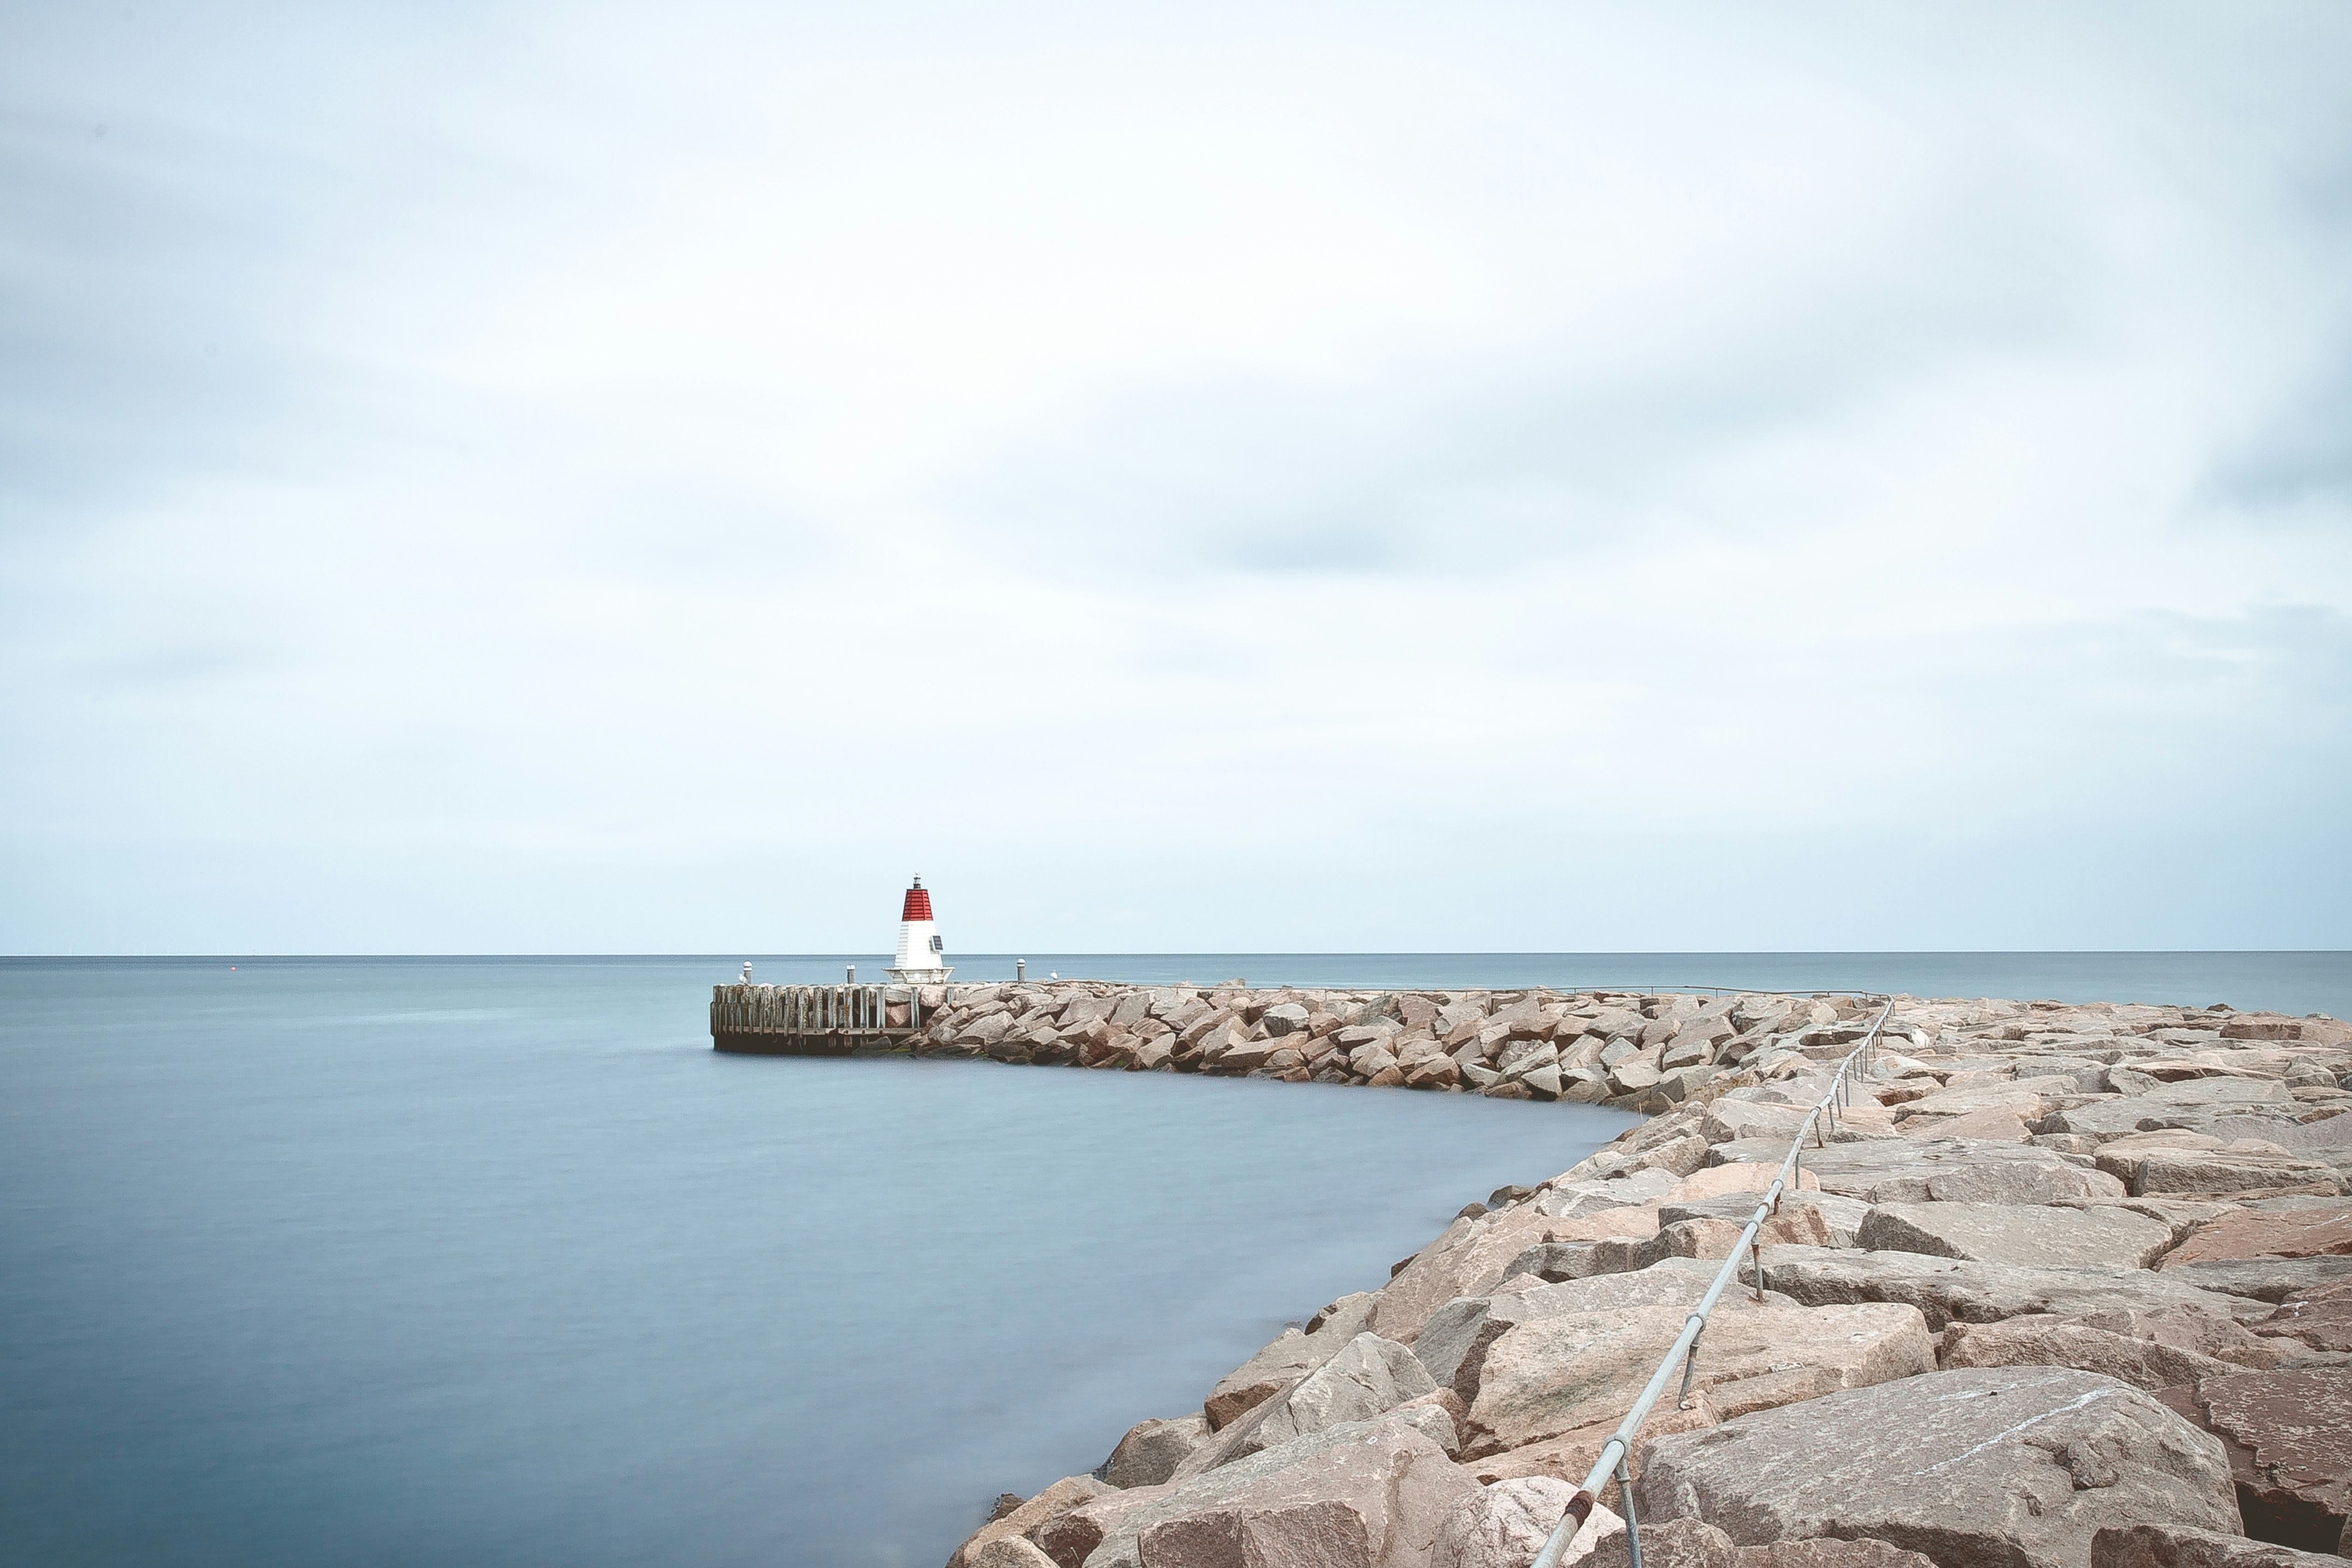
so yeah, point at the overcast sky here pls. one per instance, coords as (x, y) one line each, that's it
(601, 478)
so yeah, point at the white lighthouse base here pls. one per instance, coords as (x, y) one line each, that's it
(920, 977)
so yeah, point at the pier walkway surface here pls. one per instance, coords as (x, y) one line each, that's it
(1880, 1282)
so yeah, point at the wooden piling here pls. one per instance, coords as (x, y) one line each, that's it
(812, 1021)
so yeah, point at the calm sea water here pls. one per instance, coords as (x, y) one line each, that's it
(493, 1261)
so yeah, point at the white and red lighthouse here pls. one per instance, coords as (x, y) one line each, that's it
(922, 956)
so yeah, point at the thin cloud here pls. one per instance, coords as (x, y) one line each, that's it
(574, 477)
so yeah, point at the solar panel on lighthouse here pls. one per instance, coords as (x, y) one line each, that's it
(922, 956)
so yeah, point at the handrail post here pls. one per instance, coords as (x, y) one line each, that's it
(1632, 1525)
(1690, 1363)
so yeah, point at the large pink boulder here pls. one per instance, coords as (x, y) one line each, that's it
(1059, 1498)
(1549, 1376)
(2320, 1318)
(2251, 1233)
(1505, 1524)
(2177, 1546)
(1367, 1494)
(2289, 1436)
(2017, 1466)
(2046, 1341)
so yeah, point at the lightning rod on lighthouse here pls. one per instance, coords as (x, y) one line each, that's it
(922, 956)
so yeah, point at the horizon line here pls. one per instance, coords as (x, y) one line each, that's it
(738, 954)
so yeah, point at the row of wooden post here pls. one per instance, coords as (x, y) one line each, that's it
(808, 1009)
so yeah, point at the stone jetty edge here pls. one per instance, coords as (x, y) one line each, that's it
(2065, 1284)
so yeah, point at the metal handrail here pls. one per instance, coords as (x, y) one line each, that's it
(1817, 992)
(1613, 1453)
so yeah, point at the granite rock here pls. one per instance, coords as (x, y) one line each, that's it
(2109, 1119)
(1453, 1344)
(2179, 1546)
(1729, 1120)
(2186, 1329)
(2049, 1341)
(1285, 1018)
(1993, 1124)
(1070, 1492)
(1840, 1218)
(1152, 1449)
(1009, 1552)
(2026, 1234)
(1550, 1375)
(2264, 1278)
(2224, 1089)
(1702, 1237)
(1505, 1524)
(1974, 1468)
(1831, 1551)
(1714, 1181)
(1289, 1357)
(2030, 1098)
(1692, 1543)
(1359, 1495)
(1366, 1377)
(2317, 1320)
(1955, 1290)
(2249, 1233)
(2288, 1435)
(2228, 1169)
(1672, 1544)
(1942, 1170)
(1470, 1259)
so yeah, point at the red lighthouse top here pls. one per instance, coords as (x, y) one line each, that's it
(918, 902)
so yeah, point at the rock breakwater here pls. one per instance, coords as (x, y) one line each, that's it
(1644, 1052)
(2063, 1285)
